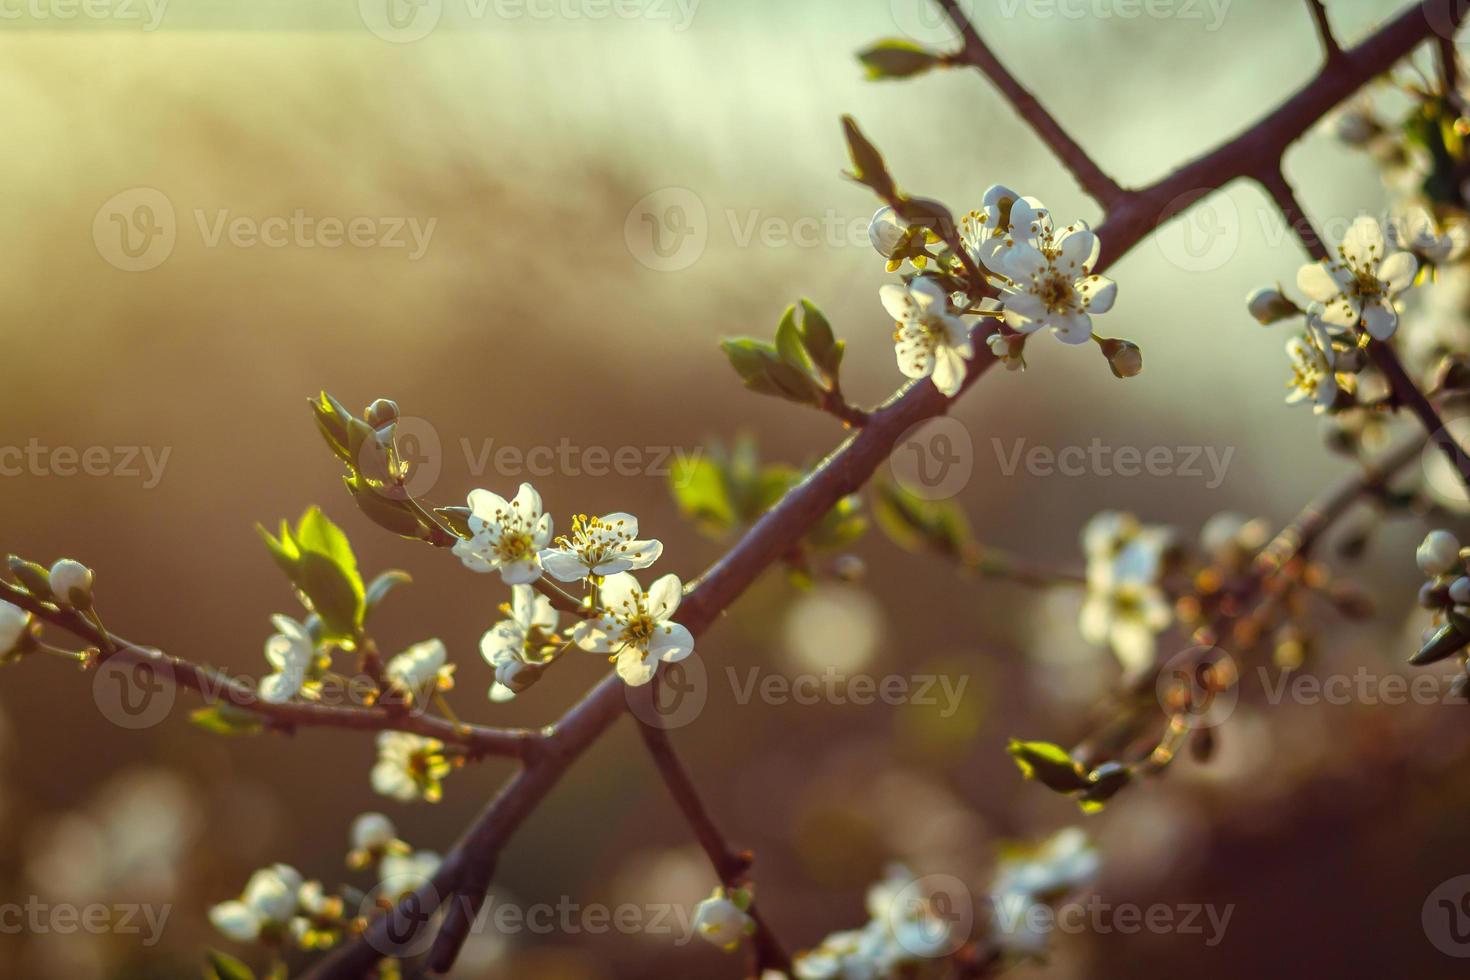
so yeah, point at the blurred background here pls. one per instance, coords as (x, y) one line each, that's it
(559, 211)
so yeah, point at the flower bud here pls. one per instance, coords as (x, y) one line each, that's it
(721, 921)
(373, 832)
(1460, 591)
(71, 584)
(382, 412)
(1268, 306)
(885, 231)
(1124, 357)
(1439, 553)
(15, 630)
(517, 675)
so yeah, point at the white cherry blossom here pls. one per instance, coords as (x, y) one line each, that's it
(513, 646)
(1360, 286)
(1312, 375)
(1048, 275)
(603, 545)
(721, 921)
(420, 670)
(1125, 608)
(636, 627)
(409, 767)
(983, 233)
(508, 536)
(1416, 231)
(267, 904)
(291, 652)
(930, 341)
(400, 874)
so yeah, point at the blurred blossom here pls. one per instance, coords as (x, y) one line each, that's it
(836, 626)
(128, 842)
(1065, 670)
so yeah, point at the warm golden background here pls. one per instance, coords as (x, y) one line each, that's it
(529, 320)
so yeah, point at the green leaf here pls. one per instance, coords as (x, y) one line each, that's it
(894, 58)
(763, 369)
(383, 584)
(337, 598)
(458, 519)
(700, 489)
(331, 421)
(790, 345)
(915, 524)
(35, 579)
(315, 532)
(1049, 765)
(223, 966)
(1103, 783)
(824, 349)
(226, 719)
(840, 526)
(868, 167)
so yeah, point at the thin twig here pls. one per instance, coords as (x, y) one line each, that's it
(1330, 48)
(1405, 391)
(731, 866)
(216, 687)
(977, 54)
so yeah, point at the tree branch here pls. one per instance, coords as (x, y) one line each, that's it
(217, 687)
(977, 54)
(1405, 391)
(1330, 48)
(731, 867)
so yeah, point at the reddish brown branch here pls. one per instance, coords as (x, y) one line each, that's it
(730, 866)
(218, 688)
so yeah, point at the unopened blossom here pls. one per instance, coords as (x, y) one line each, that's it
(409, 767)
(266, 906)
(1439, 553)
(886, 231)
(420, 670)
(400, 874)
(1360, 286)
(1312, 376)
(320, 922)
(1417, 232)
(1009, 349)
(930, 341)
(722, 921)
(507, 536)
(15, 623)
(372, 836)
(71, 584)
(1269, 306)
(603, 545)
(636, 628)
(1125, 607)
(1048, 280)
(517, 647)
(291, 651)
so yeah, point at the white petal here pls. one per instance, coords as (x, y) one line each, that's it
(1024, 261)
(1363, 242)
(486, 505)
(594, 637)
(1098, 292)
(619, 591)
(949, 371)
(928, 294)
(1397, 271)
(897, 302)
(564, 566)
(1024, 304)
(236, 921)
(664, 596)
(280, 688)
(641, 554)
(528, 501)
(521, 572)
(1078, 248)
(1317, 282)
(634, 669)
(1380, 320)
(1073, 328)
(673, 645)
(915, 355)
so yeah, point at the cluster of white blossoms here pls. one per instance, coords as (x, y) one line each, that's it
(1125, 607)
(904, 929)
(299, 660)
(279, 904)
(1023, 881)
(1042, 274)
(632, 627)
(1353, 299)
